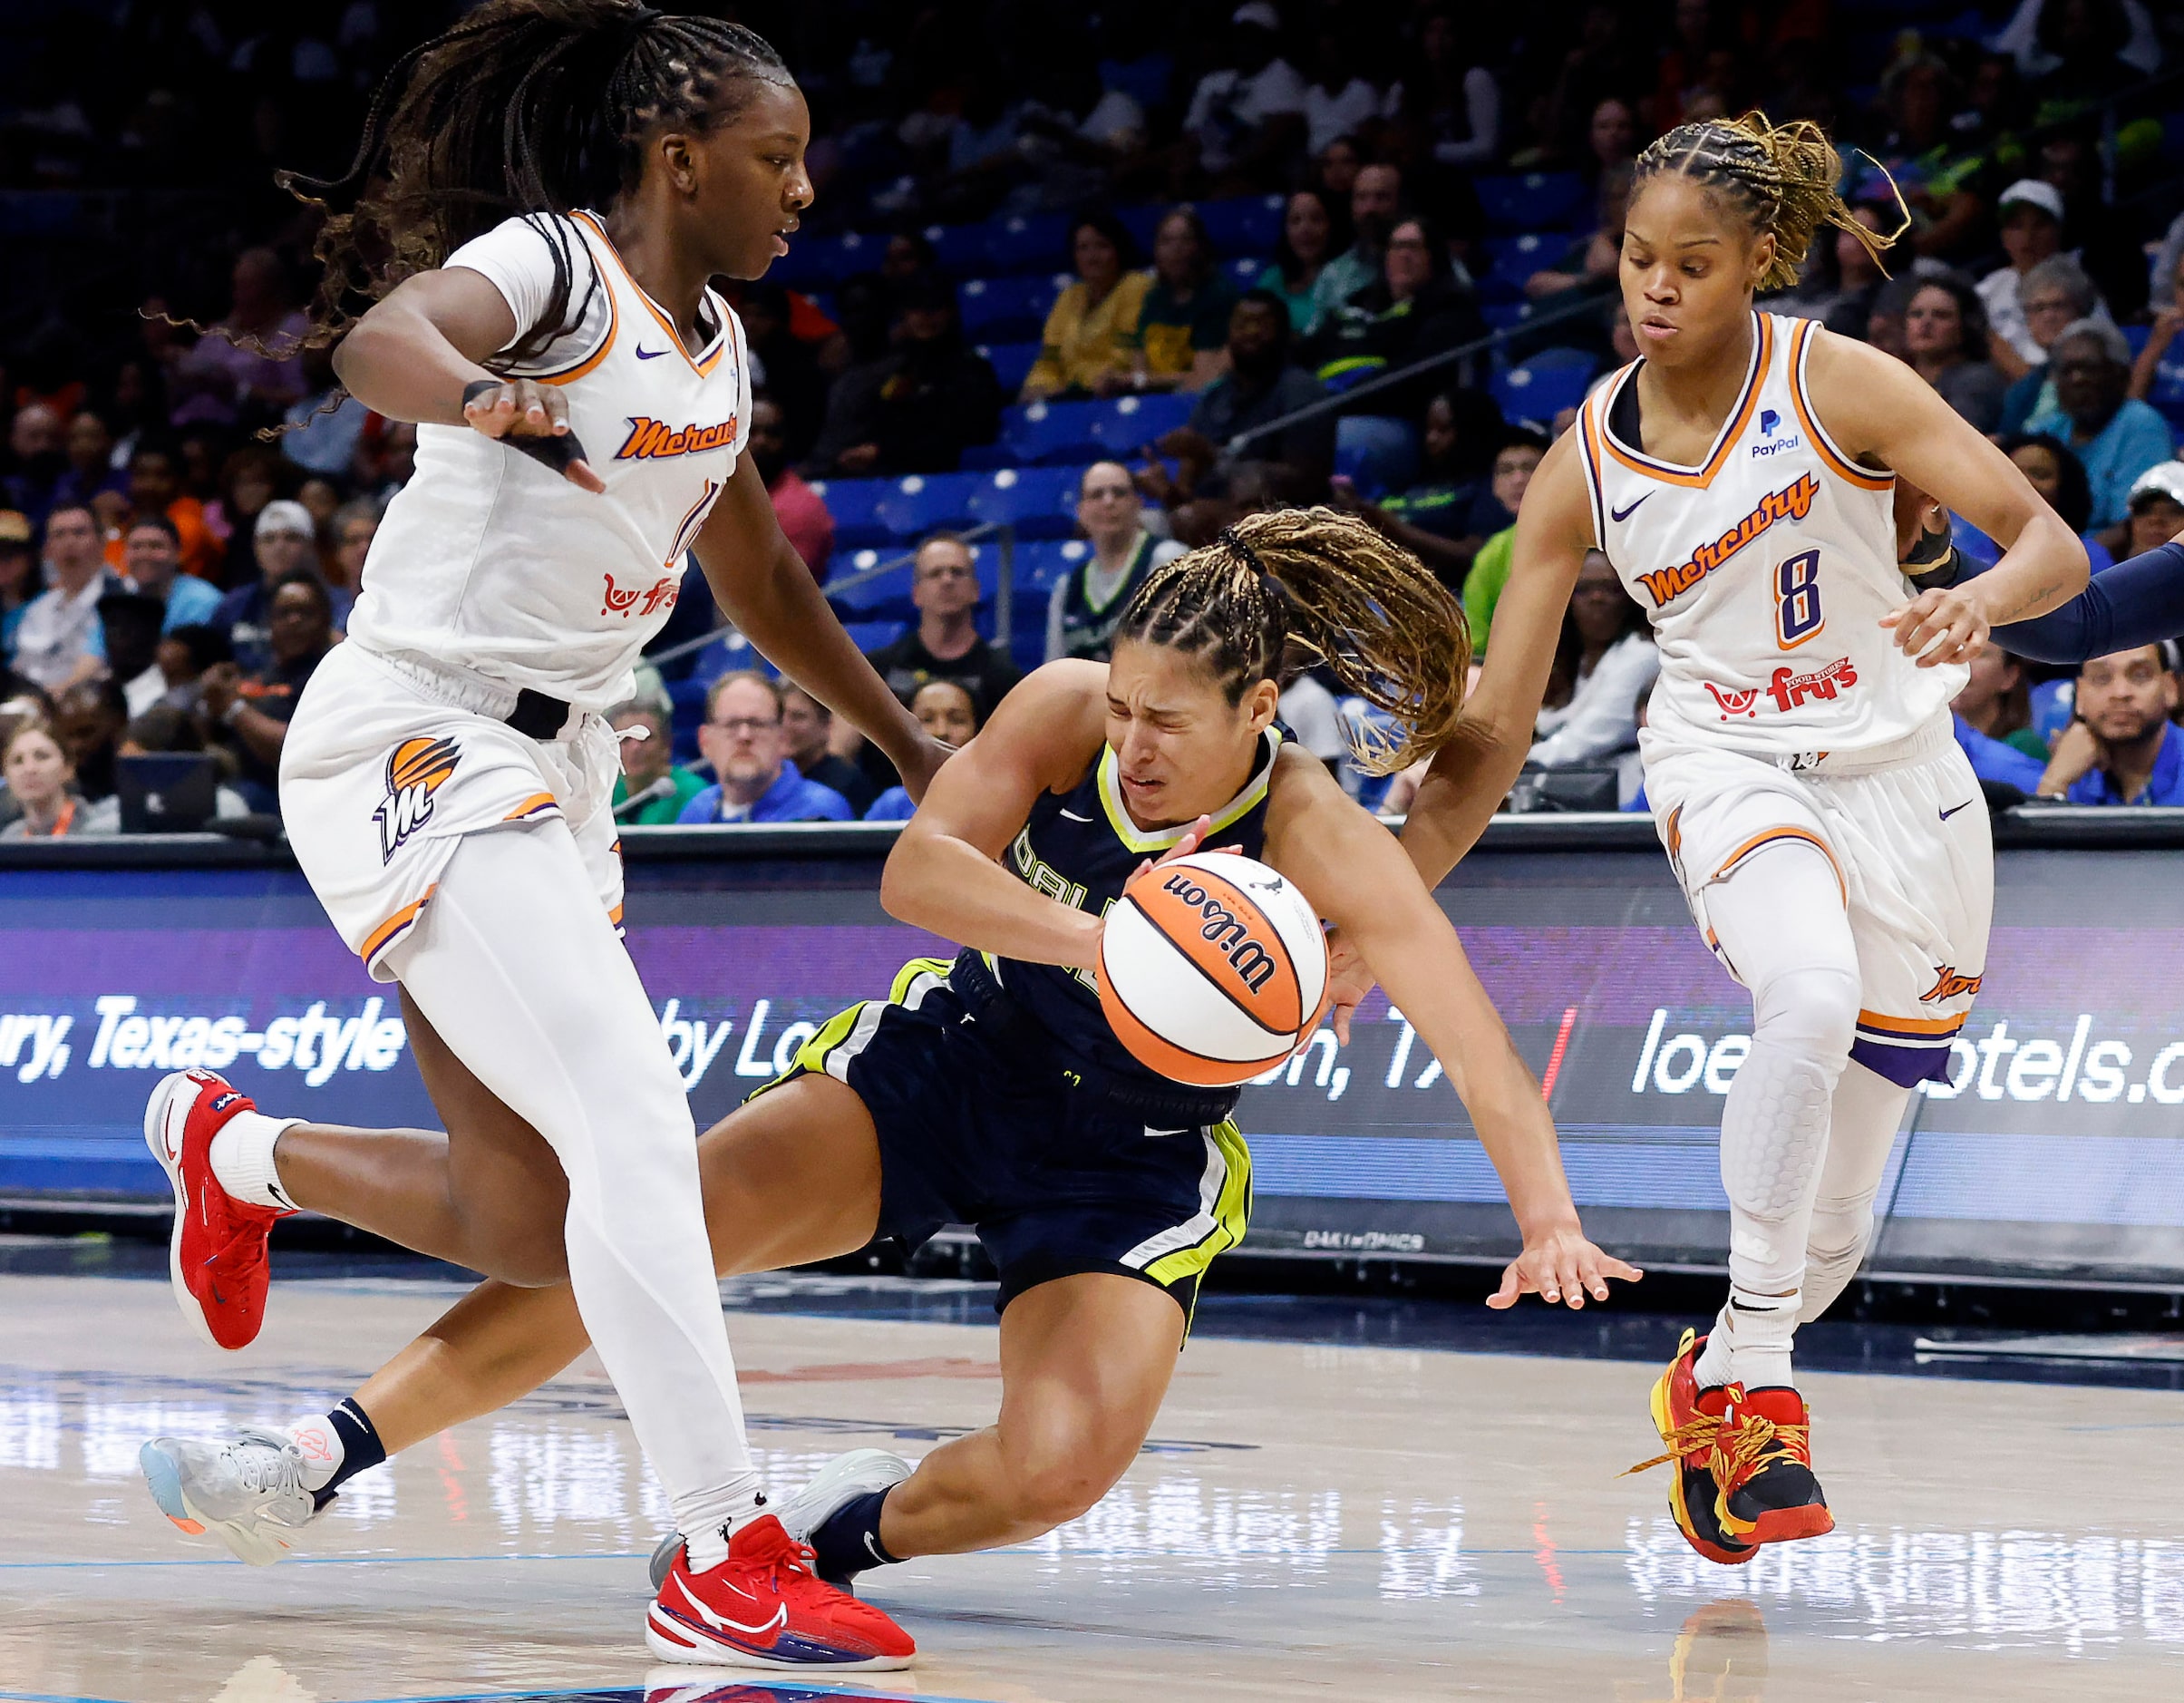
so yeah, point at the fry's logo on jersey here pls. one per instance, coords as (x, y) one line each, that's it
(1789, 691)
(1949, 985)
(660, 595)
(1792, 502)
(653, 440)
(414, 773)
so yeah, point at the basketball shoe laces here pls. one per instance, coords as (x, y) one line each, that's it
(252, 1232)
(1755, 1441)
(1696, 1436)
(785, 1560)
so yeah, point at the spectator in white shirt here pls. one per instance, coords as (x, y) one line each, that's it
(1605, 661)
(57, 640)
(1244, 117)
(2031, 217)
(1339, 102)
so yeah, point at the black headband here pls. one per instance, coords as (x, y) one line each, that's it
(1268, 582)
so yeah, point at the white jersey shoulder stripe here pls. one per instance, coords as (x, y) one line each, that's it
(1831, 451)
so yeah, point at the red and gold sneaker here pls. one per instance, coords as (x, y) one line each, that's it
(1688, 1417)
(217, 1255)
(764, 1607)
(1763, 1467)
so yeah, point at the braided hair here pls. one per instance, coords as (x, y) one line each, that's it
(1781, 178)
(1327, 586)
(526, 108)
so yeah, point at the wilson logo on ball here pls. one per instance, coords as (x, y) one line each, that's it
(1212, 968)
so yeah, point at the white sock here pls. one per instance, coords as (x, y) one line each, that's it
(242, 1159)
(706, 1522)
(1750, 1342)
(322, 1448)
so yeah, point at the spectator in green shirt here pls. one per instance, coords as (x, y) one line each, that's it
(1182, 336)
(648, 761)
(1513, 469)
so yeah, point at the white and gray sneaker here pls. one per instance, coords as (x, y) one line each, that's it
(859, 1473)
(248, 1490)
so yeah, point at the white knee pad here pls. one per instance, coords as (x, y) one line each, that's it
(1775, 1133)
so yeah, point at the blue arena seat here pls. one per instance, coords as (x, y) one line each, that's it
(882, 599)
(1006, 309)
(1141, 221)
(855, 505)
(1529, 392)
(958, 250)
(1050, 431)
(1504, 316)
(1515, 259)
(1038, 502)
(1533, 200)
(1379, 453)
(1011, 361)
(1244, 224)
(1035, 242)
(1041, 564)
(1126, 424)
(919, 503)
(1244, 272)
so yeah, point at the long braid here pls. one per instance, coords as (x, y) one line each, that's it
(527, 108)
(1780, 176)
(1330, 586)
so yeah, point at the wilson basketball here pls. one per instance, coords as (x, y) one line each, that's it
(1212, 968)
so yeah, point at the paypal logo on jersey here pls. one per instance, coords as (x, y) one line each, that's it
(1769, 444)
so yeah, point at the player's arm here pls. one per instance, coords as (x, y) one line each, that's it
(1471, 776)
(1357, 877)
(1881, 412)
(945, 873)
(762, 585)
(417, 352)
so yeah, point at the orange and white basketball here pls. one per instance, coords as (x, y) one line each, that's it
(1212, 968)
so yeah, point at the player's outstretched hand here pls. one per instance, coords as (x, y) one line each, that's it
(1348, 982)
(522, 409)
(1945, 624)
(1560, 1266)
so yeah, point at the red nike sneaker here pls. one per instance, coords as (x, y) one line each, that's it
(764, 1607)
(1762, 1463)
(217, 1254)
(1688, 1419)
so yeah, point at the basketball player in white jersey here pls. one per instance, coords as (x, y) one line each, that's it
(1825, 827)
(583, 399)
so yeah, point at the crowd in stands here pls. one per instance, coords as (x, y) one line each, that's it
(1076, 282)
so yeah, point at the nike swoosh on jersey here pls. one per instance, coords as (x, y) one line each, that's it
(1616, 515)
(720, 1623)
(1075, 817)
(872, 1549)
(644, 354)
(1952, 809)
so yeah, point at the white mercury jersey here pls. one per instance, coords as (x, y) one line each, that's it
(488, 561)
(1765, 572)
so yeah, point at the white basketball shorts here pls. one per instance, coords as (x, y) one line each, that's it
(388, 765)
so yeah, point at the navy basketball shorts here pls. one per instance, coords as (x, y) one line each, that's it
(1055, 1181)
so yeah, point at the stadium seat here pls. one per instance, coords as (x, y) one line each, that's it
(917, 504)
(886, 597)
(1012, 362)
(1006, 309)
(1377, 453)
(1122, 427)
(2136, 336)
(958, 250)
(1244, 271)
(855, 505)
(1141, 221)
(1528, 393)
(1504, 316)
(1038, 502)
(1560, 356)
(1041, 564)
(1515, 259)
(1050, 431)
(1036, 243)
(1244, 225)
(1532, 201)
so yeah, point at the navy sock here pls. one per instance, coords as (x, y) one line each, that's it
(360, 1446)
(848, 1542)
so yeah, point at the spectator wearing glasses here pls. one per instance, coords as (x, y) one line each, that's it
(2122, 748)
(2116, 436)
(645, 763)
(256, 707)
(743, 740)
(2054, 296)
(1087, 604)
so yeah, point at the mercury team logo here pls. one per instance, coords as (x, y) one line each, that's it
(414, 773)
(651, 439)
(1949, 985)
(1793, 502)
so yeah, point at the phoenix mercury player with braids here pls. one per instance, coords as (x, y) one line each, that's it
(530, 224)
(991, 1091)
(1826, 828)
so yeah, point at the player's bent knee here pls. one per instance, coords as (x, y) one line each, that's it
(1055, 1491)
(1810, 1009)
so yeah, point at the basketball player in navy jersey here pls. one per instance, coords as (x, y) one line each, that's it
(991, 1091)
